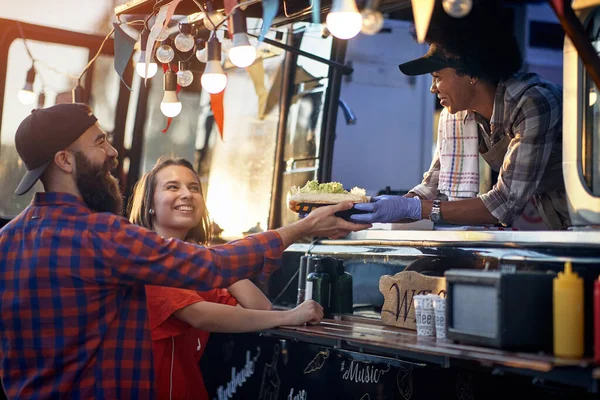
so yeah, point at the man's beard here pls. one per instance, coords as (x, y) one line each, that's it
(99, 190)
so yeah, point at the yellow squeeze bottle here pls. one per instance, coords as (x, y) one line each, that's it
(568, 313)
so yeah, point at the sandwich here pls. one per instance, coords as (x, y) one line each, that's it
(315, 194)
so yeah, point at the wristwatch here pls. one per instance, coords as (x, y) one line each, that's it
(436, 214)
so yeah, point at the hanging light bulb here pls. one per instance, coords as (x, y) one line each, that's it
(27, 95)
(344, 21)
(201, 50)
(593, 97)
(213, 79)
(213, 18)
(184, 41)
(242, 54)
(372, 19)
(165, 53)
(78, 94)
(170, 105)
(140, 67)
(457, 8)
(185, 77)
(41, 99)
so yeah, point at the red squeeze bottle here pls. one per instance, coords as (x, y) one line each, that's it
(597, 321)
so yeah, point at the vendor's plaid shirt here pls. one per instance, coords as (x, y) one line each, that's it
(73, 320)
(528, 109)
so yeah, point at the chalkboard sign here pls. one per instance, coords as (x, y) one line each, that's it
(249, 366)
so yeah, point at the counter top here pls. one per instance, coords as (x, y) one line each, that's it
(360, 332)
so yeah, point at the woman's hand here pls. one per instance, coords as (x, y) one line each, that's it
(309, 312)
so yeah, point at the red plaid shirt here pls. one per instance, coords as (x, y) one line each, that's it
(74, 322)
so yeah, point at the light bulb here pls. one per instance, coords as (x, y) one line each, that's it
(185, 77)
(344, 21)
(184, 41)
(170, 105)
(213, 20)
(26, 96)
(140, 67)
(41, 100)
(593, 97)
(457, 8)
(213, 79)
(165, 53)
(201, 55)
(372, 21)
(242, 54)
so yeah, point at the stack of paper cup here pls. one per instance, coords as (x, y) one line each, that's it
(425, 315)
(439, 307)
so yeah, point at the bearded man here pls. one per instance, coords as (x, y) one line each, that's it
(72, 272)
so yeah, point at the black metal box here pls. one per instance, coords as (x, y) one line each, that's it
(501, 310)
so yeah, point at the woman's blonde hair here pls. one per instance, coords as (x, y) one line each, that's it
(143, 193)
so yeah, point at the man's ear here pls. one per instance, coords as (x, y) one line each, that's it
(65, 161)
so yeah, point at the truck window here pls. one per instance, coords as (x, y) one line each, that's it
(56, 66)
(591, 129)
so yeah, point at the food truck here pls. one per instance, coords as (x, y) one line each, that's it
(293, 116)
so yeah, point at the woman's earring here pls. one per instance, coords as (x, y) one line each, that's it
(151, 211)
(472, 82)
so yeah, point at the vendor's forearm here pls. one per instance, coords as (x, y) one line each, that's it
(461, 212)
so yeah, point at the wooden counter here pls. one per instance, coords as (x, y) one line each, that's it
(361, 332)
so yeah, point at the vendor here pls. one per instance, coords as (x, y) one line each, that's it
(519, 122)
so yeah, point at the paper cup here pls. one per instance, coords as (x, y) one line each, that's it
(425, 315)
(439, 307)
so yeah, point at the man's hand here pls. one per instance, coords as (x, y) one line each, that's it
(321, 222)
(309, 312)
(388, 209)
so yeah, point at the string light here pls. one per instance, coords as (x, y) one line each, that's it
(27, 95)
(213, 79)
(457, 8)
(140, 68)
(78, 94)
(212, 18)
(165, 53)
(201, 51)
(41, 99)
(184, 41)
(170, 105)
(185, 77)
(372, 19)
(344, 21)
(242, 54)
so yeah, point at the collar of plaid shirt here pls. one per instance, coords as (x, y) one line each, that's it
(74, 321)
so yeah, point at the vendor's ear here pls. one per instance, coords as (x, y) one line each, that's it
(473, 80)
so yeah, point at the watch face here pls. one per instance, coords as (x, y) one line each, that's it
(435, 216)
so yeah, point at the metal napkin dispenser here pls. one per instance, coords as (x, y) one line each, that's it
(501, 310)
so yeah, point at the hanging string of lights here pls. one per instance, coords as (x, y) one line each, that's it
(344, 21)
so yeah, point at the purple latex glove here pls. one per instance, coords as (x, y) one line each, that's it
(388, 208)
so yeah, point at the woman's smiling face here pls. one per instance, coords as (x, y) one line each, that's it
(454, 91)
(178, 201)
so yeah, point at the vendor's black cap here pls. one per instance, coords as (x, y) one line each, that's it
(434, 60)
